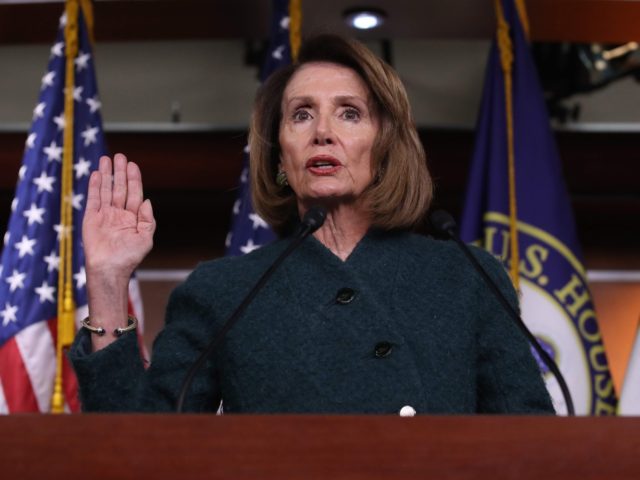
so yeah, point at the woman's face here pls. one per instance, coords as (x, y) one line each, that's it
(326, 134)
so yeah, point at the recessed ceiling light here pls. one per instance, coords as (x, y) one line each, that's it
(364, 18)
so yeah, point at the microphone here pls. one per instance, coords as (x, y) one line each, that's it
(312, 221)
(445, 225)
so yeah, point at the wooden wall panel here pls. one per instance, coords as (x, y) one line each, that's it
(191, 179)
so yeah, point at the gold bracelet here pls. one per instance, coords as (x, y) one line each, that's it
(131, 325)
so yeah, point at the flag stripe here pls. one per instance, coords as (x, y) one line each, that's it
(38, 353)
(3, 401)
(17, 390)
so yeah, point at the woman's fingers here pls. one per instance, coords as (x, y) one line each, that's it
(134, 188)
(105, 185)
(146, 222)
(120, 187)
(119, 181)
(93, 194)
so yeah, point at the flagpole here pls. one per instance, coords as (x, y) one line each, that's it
(506, 61)
(295, 26)
(524, 18)
(66, 304)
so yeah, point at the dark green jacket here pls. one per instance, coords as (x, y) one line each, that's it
(404, 321)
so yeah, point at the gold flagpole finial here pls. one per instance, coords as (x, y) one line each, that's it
(295, 27)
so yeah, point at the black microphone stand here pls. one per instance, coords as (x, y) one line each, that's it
(313, 220)
(444, 223)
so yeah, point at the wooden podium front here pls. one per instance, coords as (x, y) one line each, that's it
(93, 446)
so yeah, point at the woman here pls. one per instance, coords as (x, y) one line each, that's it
(364, 317)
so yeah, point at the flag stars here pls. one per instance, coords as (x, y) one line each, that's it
(57, 49)
(80, 278)
(47, 80)
(284, 23)
(53, 152)
(90, 135)
(62, 230)
(25, 246)
(52, 261)
(5, 239)
(59, 121)
(38, 112)
(14, 204)
(77, 93)
(63, 20)
(31, 140)
(34, 214)
(227, 240)
(244, 176)
(16, 280)
(249, 247)
(8, 314)
(76, 201)
(278, 53)
(44, 183)
(22, 172)
(258, 222)
(82, 61)
(45, 292)
(82, 168)
(94, 104)
(236, 206)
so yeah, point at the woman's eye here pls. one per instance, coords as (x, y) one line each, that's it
(351, 114)
(301, 115)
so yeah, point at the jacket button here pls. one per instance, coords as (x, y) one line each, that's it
(383, 349)
(345, 296)
(407, 411)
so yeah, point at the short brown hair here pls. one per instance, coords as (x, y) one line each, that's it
(402, 189)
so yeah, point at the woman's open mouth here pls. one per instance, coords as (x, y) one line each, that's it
(323, 165)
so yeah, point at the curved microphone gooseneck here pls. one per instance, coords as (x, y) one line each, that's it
(444, 224)
(312, 221)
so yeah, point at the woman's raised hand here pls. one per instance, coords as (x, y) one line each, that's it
(118, 225)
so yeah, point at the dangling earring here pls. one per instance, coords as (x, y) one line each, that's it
(281, 179)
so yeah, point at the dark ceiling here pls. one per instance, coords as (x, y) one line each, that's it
(29, 21)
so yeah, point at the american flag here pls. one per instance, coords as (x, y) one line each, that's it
(30, 256)
(248, 230)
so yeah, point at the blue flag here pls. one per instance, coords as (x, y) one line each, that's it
(248, 230)
(555, 300)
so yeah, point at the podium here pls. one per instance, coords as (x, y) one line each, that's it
(154, 446)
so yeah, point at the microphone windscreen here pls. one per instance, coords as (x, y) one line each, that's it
(314, 218)
(442, 222)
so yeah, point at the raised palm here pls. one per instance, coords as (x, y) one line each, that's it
(118, 224)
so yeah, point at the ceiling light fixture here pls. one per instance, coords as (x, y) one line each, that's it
(364, 18)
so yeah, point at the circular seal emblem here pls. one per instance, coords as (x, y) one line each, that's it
(556, 305)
